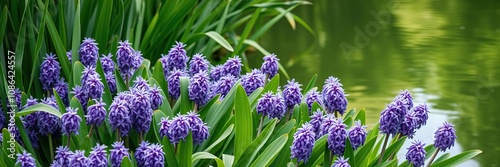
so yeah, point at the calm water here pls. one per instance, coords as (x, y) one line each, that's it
(446, 52)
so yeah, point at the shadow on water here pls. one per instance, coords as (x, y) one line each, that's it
(446, 53)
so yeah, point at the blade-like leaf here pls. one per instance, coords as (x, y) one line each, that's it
(219, 39)
(243, 123)
(270, 152)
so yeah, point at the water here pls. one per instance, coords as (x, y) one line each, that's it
(447, 53)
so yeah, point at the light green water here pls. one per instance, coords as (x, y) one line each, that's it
(446, 52)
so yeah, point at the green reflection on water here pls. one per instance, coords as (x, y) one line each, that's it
(446, 52)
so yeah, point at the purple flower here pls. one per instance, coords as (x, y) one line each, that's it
(303, 142)
(140, 153)
(110, 78)
(216, 72)
(198, 63)
(48, 123)
(405, 97)
(98, 156)
(198, 88)
(253, 80)
(422, 113)
(328, 121)
(341, 162)
(164, 126)
(78, 159)
(270, 65)
(25, 160)
(357, 135)
(70, 121)
(125, 56)
(444, 137)
(232, 66)
(390, 120)
(198, 127)
(311, 97)
(70, 56)
(81, 96)
(141, 84)
(117, 153)
(61, 88)
(179, 129)
(50, 69)
(141, 111)
(336, 138)
(96, 113)
(62, 157)
(29, 120)
(177, 58)
(266, 104)
(33, 135)
(316, 121)
(164, 65)
(17, 96)
(292, 94)
(137, 61)
(94, 87)
(86, 73)
(2, 119)
(108, 65)
(174, 83)
(17, 135)
(119, 116)
(280, 108)
(156, 99)
(154, 156)
(408, 125)
(89, 52)
(334, 98)
(416, 154)
(224, 85)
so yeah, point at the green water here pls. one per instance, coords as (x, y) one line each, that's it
(447, 53)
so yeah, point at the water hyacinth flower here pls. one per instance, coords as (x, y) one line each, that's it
(142, 113)
(252, 80)
(164, 65)
(156, 99)
(81, 96)
(78, 159)
(198, 127)
(50, 69)
(125, 56)
(70, 56)
(86, 73)
(48, 123)
(223, 85)
(117, 153)
(198, 63)
(62, 157)
(444, 137)
(303, 142)
(408, 125)
(70, 121)
(232, 66)
(217, 72)
(61, 88)
(94, 88)
(405, 97)
(333, 95)
(98, 156)
(179, 129)
(108, 65)
(279, 108)
(422, 113)
(266, 104)
(164, 126)
(96, 113)
(25, 160)
(336, 138)
(137, 60)
(110, 78)
(119, 116)
(316, 121)
(328, 121)
(292, 94)
(140, 153)
(416, 154)
(357, 135)
(174, 83)
(270, 65)
(311, 97)
(154, 156)
(141, 84)
(199, 88)
(177, 58)
(341, 162)
(390, 120)
(29, 120)
(89, 52)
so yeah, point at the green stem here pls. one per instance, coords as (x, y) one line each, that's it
(140, 137)
(195, 107)
(288, 113)
(126, 81)
(51, 149)
(69, 139)
(118, 135)
(433, 157)
(90, 132)
(383, 149)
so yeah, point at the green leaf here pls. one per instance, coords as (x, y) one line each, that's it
(77, 73)
(311, 84)
(186, 104)
(126, 162)
(228, 159)
(185, 150)
(246, 32)
(219, 39)
(86, 144)
(243, 123)
(361, 116)
(318, 149)
(77, 33)
(39, 107)
(83, 130)
(3, 21)
(101, 35)
(224, 135)
(442, 157)
(170, 157)
(457, 159)
(205, 155)
(270, 153)
(363, 151)
(349, 152)
(157, 115)
(254, 148)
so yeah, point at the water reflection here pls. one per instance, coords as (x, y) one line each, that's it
(446, 53)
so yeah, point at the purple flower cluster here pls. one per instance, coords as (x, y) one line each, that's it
(62, 157)
(50, 69)
(232, 66)
(70, 121)
(117, 153)
(154, 156)
(30, 120)
(223, 85)
(48, 123)
(216, 72)
(164, 127)
(110, 78)
(61, 88)
(311, 97)
(140, 153)
(336, 138)
(70, 56)
(177, 58)
(341, 162)
(408, 125)
(25, 160)
(141, 84)
(328, 121)
(128, 60)
(156, 99)
(405, 97)
(333, 95)
(198, 63)
(316, 121)
(422, 113)
(199, 88)
(271, 105)
(252, 80)
(179, 127)
(303, 142)
(444, 137)
(119, 116)
(142, 113)
(81, 96)
(78, 159)
(198, 128)
(357, 135)
(93, 87)
(108, 65)
(292, 94)
(98, 156)
(89, 52)
(270, 65)
(390, 120)
(96, 113)
(174, 83)
(416, 154)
